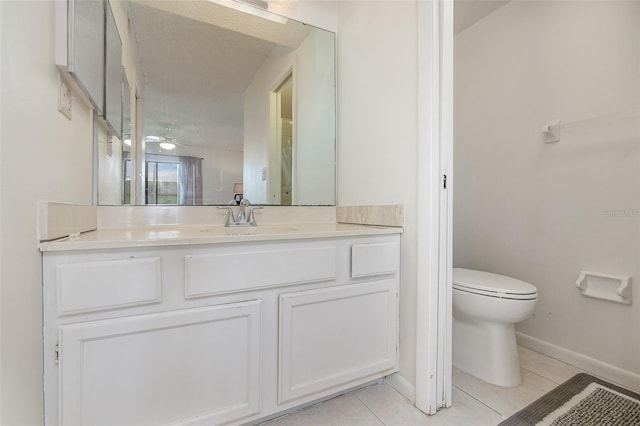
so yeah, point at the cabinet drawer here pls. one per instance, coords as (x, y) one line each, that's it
(210, 274)
(95, 286)
(374, 259)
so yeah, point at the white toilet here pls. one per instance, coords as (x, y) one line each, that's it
(485, 308)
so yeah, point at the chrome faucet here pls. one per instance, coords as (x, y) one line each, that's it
(241, 210)
(244, 218)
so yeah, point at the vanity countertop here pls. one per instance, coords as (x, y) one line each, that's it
(166, 235)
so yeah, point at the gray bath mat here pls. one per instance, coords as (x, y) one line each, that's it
(583, 400)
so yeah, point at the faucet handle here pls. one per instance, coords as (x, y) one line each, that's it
(252, 219)
(230, 217)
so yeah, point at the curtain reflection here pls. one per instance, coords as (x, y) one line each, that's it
(190, 180)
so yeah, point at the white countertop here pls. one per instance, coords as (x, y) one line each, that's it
(165, 235)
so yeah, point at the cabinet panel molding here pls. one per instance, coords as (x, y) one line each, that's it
(336, 335)
(219, 273)
(374, 259)
(195, 366)
(95, 286)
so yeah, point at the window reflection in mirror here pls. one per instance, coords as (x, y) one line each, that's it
(126, 138)
(127, 181)
(162, 182)
(206, 74)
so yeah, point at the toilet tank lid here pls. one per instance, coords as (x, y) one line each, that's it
(490, 282)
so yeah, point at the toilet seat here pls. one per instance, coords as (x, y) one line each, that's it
(492, 285)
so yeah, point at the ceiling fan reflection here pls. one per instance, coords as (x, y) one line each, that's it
(166, 143)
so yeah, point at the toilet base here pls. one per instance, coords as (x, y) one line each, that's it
(486, 350)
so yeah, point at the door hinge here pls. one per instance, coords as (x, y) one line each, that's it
(444, 181)
(57, 349)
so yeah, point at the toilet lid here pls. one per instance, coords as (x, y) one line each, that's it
(488, 284)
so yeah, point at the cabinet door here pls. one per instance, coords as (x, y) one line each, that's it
(196, 366)
(113, 74)
(85, 47)
(336, 336)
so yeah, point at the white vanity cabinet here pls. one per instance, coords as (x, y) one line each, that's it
(215, 333)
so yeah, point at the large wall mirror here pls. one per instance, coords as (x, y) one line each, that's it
(232, 105)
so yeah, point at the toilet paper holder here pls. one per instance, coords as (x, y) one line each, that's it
(606, 287)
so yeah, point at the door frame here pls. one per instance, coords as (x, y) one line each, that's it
(434, 202)
(274, 179)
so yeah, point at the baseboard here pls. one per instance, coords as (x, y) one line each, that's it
(609, 372)
(403, 386)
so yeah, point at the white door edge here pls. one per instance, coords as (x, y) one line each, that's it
(435, 143)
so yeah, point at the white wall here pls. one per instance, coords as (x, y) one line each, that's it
(314, 137)
(540, 212)
(110, 173)
(256, 121)
(315, 121)
(221, 168)
(43, 156)
(377, 129)
(320, 13)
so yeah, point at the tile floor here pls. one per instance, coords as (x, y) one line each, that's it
(475, 403)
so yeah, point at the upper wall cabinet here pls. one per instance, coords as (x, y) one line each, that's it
(113, 74)
(88, 52)
(80, 46)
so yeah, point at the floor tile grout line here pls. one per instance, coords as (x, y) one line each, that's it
(563, 364)
(480, 401)
(555, 381)
(369, 408)
(542, 376)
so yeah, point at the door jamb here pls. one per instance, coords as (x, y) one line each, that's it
(434, 203)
